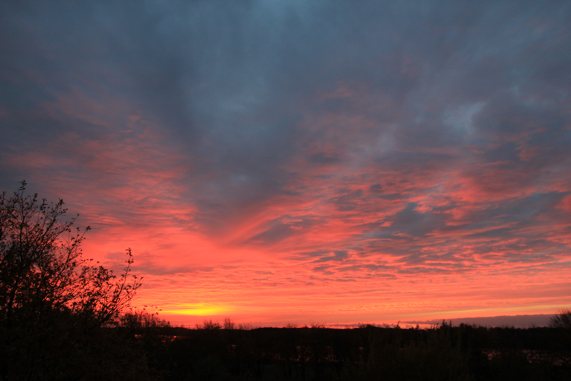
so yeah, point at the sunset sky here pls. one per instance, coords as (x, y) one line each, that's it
(297, 161)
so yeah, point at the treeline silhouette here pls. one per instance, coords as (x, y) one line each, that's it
(367, 353)
(64, 317)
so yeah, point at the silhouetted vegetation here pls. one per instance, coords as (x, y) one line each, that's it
(562, 320)
(366, 353)
(55, 305)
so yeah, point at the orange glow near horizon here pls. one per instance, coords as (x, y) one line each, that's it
(251, 287)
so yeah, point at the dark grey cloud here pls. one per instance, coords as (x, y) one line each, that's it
(335, 256)
(411, 221)
(282, 228)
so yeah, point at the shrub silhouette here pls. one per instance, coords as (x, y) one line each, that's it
(54, 303)
(42, 268)
(562, 320)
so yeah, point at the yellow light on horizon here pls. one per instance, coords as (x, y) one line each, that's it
(197, 310)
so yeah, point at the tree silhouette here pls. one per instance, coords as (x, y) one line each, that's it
(42, 268)
(561, 320)
(55, 304)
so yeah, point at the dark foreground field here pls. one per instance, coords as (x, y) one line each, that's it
(369, 353)
(70, 351)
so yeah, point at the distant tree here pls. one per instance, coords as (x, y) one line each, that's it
(140, 320)
(42, 268)
(229, 324)
(209, 325)
(561, 320)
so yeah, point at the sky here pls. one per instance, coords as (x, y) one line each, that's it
(303, 162)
